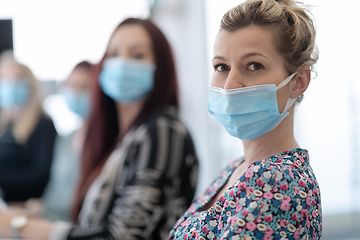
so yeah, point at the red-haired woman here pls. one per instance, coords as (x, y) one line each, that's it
(139, 164)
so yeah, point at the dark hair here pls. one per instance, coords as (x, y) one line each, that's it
(103, 133)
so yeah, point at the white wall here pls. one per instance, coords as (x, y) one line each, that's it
(183, 22)
(51, 37)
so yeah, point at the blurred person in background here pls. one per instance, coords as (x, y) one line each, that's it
(139, 166)
(27, 134)
(55, 204)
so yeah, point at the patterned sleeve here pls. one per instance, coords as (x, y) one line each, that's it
(154, 188)
(270, 201)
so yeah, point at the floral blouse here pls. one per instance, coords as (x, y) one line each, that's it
(276, 198)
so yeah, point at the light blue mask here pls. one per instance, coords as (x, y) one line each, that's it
(127, 81)
(78, 102)
(250, 112)
(14, 93)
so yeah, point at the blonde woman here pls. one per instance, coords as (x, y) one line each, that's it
(26, 133)
(263, 56)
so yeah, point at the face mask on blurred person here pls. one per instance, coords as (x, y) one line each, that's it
(127, 81)
(77, 101)
(250, 112)
(14, 93)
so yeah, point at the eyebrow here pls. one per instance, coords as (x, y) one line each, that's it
(218, 57)
(139, 45)
(243, 57)
(253, 54)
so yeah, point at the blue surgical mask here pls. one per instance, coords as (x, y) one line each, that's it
(77, 101)
(127, 81)
(250, 112)
(14, 93)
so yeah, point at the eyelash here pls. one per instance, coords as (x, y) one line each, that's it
(255, 63)
(260, 66)
(220, 65)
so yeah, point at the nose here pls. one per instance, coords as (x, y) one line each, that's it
(234, 80)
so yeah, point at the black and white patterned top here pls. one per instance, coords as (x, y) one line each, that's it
(145, 186)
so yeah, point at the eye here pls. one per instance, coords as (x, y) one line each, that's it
(253, 66)
(221, 68)
(138, 56)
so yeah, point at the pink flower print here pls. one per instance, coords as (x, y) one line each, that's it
(251, 226)
(314, 233)
(260, 182)
(304, 213)
(267, 236)
(238, 208)
(301, 183)
(275, 189)
(232, 220)
(294, 217)
(284, 186)
(205, 229)
(285, 206)
(268, 195)
(269, 230)
(222, 199)
(245, 212)
(268, 218)
(314, 214)
(308, 201)
(249, 174)
(286, 199)
(283, 223)
(249, 190)
(296, 190)
(194, 233)
(220, 226)
(290, 172)
(242, 186)
(232, 193)
(296, 235)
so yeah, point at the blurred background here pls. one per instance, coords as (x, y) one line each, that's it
(52, 36)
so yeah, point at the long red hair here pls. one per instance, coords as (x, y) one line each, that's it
(103, 131)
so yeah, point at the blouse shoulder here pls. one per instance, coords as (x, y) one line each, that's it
(165, 119)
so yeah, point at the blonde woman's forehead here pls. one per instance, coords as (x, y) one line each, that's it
(246, 41)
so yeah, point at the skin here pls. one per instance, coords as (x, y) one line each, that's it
(133, 42)
(13, 72)
(129, 41)
(79, 80)
(248, 57)
(10, 71)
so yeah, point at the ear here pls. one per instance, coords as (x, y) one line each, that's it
(301, 82)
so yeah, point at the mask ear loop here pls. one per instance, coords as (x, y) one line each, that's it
(286, 81)
(290, 101)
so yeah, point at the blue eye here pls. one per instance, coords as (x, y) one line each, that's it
(221, 68)
(253, 66)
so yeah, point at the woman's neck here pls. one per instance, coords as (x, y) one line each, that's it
(127, 115)
(276, 141)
